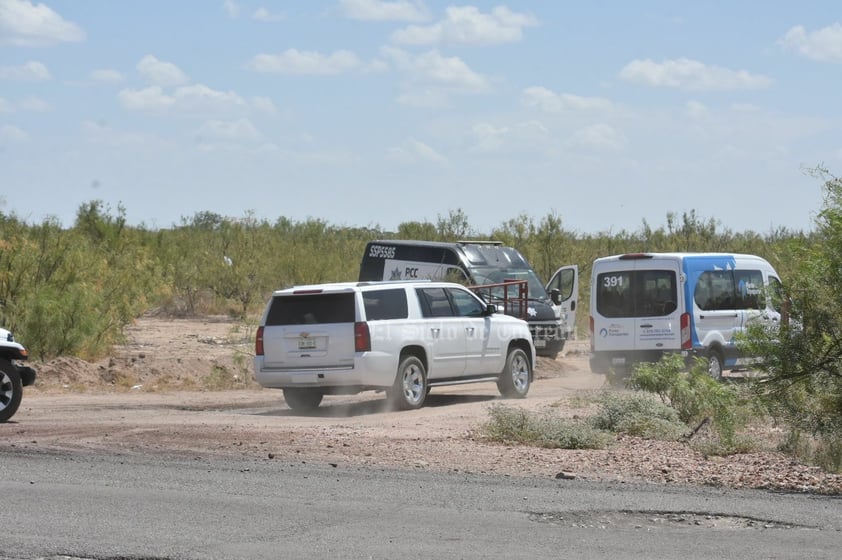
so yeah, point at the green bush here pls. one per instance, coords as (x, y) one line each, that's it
(694, 395)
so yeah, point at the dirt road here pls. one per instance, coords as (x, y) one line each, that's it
(183, 387)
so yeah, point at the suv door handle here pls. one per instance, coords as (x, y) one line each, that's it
(470, 330)
(435, 331)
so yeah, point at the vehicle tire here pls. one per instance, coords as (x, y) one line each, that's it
(303, 399)
(516, 376)
(715, 364)
(410, 389)
(11, 389)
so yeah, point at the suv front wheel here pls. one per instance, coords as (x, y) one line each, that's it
(410, 388)
(516, 376)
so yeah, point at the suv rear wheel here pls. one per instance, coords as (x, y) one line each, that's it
(516, 376)
(11, 389)
(302, 399)
(410, 388)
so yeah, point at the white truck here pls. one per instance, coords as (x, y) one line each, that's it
(403, 338)
(550, 309)
(14, 376)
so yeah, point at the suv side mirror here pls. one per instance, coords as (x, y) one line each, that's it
(490, 309)
(555, 295)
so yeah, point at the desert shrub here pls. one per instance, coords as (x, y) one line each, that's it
(694, 395)
(515, 425)
(640, 415)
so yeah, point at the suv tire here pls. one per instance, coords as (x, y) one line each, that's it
(410, 389)
(516, 377)
(303, 399)
(11, 389)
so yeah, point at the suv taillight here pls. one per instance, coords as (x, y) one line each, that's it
(686, 343)
(362, 338)
(258, 342)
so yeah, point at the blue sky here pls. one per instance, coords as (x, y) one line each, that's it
(374, 113)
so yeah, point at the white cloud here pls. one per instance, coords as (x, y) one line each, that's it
(379, 10)
(264, 15)
(552, 102)
(518, 137)
(12, 135)
(25, 24)
(160, 73)
(35, 105)
(231, 8)
(264, 105)
(692, 75)
(32, 71)
(415, 151)
(105, 75)
(431, 69)
(293, 61)
(467, 25)
(195, 99)
(601, 137)
(147, 99)
(488, 137)
(824, 45)
(232, 132)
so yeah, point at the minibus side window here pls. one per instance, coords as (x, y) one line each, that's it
(749, 285)
(715, 290)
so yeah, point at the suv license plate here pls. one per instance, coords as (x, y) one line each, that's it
(306, 343)
(540, 343)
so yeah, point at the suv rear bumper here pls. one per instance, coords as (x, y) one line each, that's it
(279, 378)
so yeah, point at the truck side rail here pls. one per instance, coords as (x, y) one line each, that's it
(511, 295)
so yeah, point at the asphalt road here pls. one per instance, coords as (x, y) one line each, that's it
(111, 506)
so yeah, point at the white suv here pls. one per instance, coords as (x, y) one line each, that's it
(401, 337)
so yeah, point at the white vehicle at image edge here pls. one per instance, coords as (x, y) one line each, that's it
(14, 376)
(399, 337)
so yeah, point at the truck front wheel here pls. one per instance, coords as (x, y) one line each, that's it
(11, 389)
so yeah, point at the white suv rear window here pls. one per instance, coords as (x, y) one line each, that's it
(310, 309)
